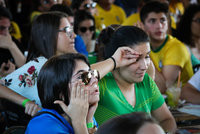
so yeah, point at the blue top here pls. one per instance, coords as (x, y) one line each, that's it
(49, 124)
(80, 46)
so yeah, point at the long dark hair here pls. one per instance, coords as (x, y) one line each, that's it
(184, 33)
(44, 34)
(54, 79)
(125, 36)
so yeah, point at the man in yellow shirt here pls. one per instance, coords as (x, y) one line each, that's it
(168, 54)
(108, 13)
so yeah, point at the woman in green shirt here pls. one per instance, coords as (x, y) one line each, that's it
(130, 89)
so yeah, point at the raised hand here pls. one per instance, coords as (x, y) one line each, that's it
(125, 56)
(77, 109)
(6, 41)
(7, 68)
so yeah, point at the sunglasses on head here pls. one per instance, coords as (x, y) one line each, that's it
(87, 76)
(68, 30)
(92, 5)
(84, 29)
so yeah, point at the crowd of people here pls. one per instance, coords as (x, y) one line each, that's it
(84, 66)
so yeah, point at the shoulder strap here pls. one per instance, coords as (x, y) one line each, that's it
(46, 112)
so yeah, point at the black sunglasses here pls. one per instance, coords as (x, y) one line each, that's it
(87, 76)
(92, 5)
(197, 20)
(84, 29)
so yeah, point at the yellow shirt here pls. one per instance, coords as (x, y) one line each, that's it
(15, 30)
(132, 19)
(33, 15)
(173, 52)
(115, 15)
(176, 11)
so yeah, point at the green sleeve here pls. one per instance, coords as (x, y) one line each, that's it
(194, 60)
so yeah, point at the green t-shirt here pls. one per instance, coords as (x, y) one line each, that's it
(194, 60)
(113, 103)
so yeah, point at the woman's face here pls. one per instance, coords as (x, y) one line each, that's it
(65, 42)
(86, 29)
(89, 6)
(195, 27)
(135, 72)
(92, 86)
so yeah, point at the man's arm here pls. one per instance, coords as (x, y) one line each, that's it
(7, 43)
(165, 118)
(190, 94)
(167, 77)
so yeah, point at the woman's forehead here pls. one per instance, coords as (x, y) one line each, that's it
(64, 22)
(142, 47)
(81, 66)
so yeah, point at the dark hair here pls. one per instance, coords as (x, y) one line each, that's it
(80, 16)
(184, 27)
(125, 36)
(76, 4)
(54, 79)
(4, 12)
(125, 124)
(104, 39)
(44, 32)
(153, 6)
(62, 8)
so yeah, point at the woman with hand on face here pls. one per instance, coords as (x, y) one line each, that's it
(74, 88)
(129, 88)
(51, 35)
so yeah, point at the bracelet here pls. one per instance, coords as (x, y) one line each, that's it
(24, 102)
(90, 125)
(114, 63)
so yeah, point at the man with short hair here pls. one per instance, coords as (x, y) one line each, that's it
(9, 51)
(168, 54)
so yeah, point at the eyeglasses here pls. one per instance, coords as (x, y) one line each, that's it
(84, 29)
(2, 28)
(196, 20)
(87, 76)
(92, 5)
(68, 30)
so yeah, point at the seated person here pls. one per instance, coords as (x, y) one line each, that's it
(169, 55)
(10, 50)
(191, 91)
(188, 31)
(130, 89)
(70, 100)
(108, 13)
(133, 123)
(79, 43)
